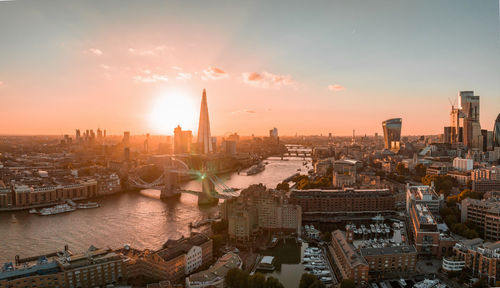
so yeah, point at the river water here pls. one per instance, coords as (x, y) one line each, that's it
(140, 219)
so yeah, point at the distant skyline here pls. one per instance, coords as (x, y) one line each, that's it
(305, 68)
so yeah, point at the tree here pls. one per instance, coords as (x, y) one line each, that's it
(257, 281)
(307, 280)
(420, 170)
(236, 278)
(310, 281)
(401, 169)
(283, 186)
(272, 282)
(219, 226)
(347, 283)
(442, 183)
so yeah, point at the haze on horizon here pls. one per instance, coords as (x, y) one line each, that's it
(306, 68)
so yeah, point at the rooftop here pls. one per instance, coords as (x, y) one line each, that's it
(218, 271)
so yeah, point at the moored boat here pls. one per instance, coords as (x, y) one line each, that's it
(88, 205)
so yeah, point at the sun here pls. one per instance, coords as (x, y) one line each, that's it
(172, 108)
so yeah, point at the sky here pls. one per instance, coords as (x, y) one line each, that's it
(305, 67)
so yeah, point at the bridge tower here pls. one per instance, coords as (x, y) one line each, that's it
(207, 186)
(170, 179)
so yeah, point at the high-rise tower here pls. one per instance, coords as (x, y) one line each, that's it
(204, 138)
(496, 132)
(392, 133)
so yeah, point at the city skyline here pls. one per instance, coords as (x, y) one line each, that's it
(260, 67)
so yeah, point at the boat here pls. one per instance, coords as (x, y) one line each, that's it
(255, 169)
(402, 282)
(62, 208)
(33, 211)
(326, 279)
(321, 272)
(266, 263)
(88, 205)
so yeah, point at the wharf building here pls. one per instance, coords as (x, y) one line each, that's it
(258, 209)
(485, 214)
(95, 267)
(25, 196)
(215, 275)
(482, 259)
(319, 203)
(365, 260)
(173, 262)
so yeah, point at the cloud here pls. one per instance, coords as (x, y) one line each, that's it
(1, 83)
(244, 111)
(214, 73)
(96, 51)
(105, 67)
(183, 76)
(266, 79)
(149, 52)
(336, 88)
(149, 77)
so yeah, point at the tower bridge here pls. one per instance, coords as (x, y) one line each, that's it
(173, 169)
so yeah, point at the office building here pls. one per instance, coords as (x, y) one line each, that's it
(392, 133)
(429, 238)
(204, 137)
(496, 132)
(126, 138)
(481, 258)
(273, 133)
(484, 214)
(461, 164)
(182, 140)
(424, 195)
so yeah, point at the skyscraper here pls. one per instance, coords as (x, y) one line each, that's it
(496, 132)
(469, 104)
(204, 138)
(182, 140)
(392, 133)
(126, 138)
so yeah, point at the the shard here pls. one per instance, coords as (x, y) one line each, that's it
(204, 138)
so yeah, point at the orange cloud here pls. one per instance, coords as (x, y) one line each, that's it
(336, 88)
(214, 73)
(266, 79)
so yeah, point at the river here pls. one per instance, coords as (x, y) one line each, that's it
(140, 219)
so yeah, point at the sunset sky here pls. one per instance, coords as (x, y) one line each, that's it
(305, 67)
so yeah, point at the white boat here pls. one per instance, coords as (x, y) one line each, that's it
(62, 208)
(402, 282)
(321, 272)
(33, 211)
(326, 279)
(88, 205)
